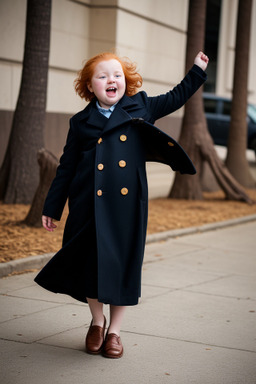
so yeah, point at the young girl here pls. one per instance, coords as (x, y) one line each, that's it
(102, 173)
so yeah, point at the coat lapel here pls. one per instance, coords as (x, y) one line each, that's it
(121, 114)
(92, 116)
(118, 117)
(97, 119)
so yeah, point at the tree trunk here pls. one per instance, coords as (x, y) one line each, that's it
(48, 165)
(237, 142)
(195, 137)
(19, 173)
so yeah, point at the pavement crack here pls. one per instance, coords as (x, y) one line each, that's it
(218, 295)
(191, 342)
(39, 341)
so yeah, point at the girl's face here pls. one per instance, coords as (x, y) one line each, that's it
(108, 82)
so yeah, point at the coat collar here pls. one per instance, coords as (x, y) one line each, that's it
(119, 116)
(158, 145)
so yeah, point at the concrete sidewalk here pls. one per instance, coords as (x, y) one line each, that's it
(196, 322)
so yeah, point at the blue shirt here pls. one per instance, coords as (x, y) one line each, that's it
(104, 111)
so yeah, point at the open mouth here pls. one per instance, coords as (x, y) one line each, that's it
(111, 90)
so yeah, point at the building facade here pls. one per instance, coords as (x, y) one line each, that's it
(150, 32)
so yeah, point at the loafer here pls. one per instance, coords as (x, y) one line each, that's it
(113, 347)
(95, 339)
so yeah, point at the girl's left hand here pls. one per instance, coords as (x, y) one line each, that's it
(201, 60)
(48, 223)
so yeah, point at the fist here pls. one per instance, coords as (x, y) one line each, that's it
(201, 60)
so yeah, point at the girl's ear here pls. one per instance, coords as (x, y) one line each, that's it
(89, 87)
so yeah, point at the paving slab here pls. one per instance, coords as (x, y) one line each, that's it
(175, 276)
(41, 324)
(196, 321)
(13, 307)
(197, 318)
(166, 361)
(221, 261)
(170, 248)
(233, 240)
(35, 292)
(234, 286)
(8, 284)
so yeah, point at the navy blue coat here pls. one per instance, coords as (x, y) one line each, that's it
(102, 173)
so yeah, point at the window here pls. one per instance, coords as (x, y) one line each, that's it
(226, 108)
(210, 105)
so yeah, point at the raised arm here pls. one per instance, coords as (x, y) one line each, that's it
(165, 104)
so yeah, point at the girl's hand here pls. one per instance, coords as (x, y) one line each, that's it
(201, 60)
(48, 223)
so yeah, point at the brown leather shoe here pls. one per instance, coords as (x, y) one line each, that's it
(113, 347)
(95, 338)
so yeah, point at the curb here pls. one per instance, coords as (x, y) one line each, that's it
(37, 262)
(161, 236)
(26, 263)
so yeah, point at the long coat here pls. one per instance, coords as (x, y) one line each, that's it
(102, 173)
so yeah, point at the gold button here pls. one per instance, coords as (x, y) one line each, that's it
(100, 167)
(122, 163)
(123, 137)
(99, 192)
(124, 191)
(100, 140)
(170, 144)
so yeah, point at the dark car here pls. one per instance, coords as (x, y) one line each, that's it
(217, 112)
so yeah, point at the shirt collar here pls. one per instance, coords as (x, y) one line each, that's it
(111, 109)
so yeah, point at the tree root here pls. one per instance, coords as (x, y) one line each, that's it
(48, 164)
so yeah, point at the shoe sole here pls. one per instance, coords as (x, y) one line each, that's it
(94, 352)
(112, 356)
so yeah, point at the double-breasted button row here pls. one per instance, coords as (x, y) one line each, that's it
(122, 138)
(124, 191)
(100, 167)
(121, 163)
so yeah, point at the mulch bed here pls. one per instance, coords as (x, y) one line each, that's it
(18, 240)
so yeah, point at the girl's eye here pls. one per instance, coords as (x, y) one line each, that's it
(102, 77)
(118, 75)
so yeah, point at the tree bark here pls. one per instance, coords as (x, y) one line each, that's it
(19, 173)
(48, 164)
(195, 137)
(237, 142)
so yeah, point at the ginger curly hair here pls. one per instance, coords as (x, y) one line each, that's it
(132, 77)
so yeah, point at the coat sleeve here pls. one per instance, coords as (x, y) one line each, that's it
(163, 105)
(58, 192)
